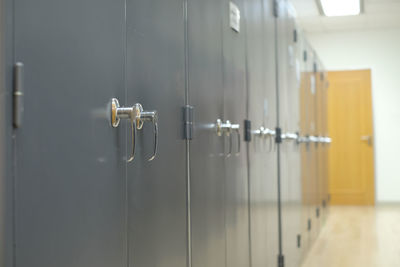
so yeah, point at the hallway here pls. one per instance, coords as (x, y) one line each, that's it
(358, 236)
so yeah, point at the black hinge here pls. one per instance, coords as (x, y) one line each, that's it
(309, 225)
(278, 136)
(324, 203)
(315, 67)
(187, 122)
(295, 35)
(18, 94)
(299, 241)
(247, 130)
(305, 55)
(276, 8)
(317, 212)
(281, 261)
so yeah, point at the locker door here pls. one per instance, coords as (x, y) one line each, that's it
(304, 147)
(261, 87)
(291, 161)
(69, 168)
(236, 190)
(156, 80)
(207, 149)
(313, 146)
(320, 149)
(287, 219)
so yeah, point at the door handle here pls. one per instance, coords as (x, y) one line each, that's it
(236, 128)
(313, 139)
(303, 139)
(265, 133)
(137, 117)
(290, 136)
(367, 139)
(227, 129)
(224, 129)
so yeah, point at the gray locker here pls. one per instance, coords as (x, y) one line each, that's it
(207, 149)
(236, 176)
(155, 78)
(261, 87)
(77, 200)
(313, 146)
(68, 162)
(289, 161)
(304, 146)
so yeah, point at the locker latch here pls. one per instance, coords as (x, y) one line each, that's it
(18, 94)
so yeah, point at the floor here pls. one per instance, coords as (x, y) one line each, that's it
(358, 236)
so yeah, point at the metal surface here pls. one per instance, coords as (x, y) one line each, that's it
(207, 150)
(69, 170)
(155, 77)
(261, 91)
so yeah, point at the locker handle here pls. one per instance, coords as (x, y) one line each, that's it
(290, 136)
(266, 133)
(137, 117)
(236, 129)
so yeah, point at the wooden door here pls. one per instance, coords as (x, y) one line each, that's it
(350, 127)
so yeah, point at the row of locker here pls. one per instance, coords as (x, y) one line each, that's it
(159, 134)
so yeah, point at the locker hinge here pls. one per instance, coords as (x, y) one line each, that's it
(299, 241)
(276, 8)
(309, 225)
(315, 67)
(295, 35)
(18, 94)
(317, 212)
(278, 136)
(247, 130)
(188, 122)
(305, 55)
(281, 261)
(324, 203)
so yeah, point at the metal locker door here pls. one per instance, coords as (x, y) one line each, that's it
(290, 153)
(303, 141)
(156, 177)
(312, 124)
(236, 182)
(207, 150)
(319, 133)
(261, 89)
(69, 171)
(284, 122)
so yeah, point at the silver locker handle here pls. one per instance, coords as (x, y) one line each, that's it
(137, 117)
(236, 128)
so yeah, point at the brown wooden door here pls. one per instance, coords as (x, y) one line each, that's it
(350, 127)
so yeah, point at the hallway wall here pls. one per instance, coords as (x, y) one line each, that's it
(379, 51)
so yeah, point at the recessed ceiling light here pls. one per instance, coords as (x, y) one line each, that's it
(332, 8)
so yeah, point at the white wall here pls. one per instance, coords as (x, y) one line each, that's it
(379, 51)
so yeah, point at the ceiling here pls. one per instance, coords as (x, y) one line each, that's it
(378, 14)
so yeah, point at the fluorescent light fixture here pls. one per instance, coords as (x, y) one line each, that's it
(332, 8)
